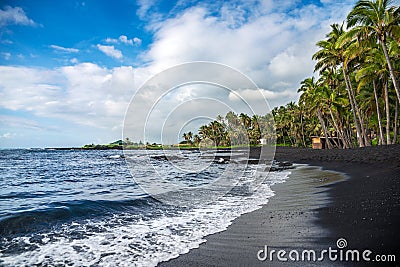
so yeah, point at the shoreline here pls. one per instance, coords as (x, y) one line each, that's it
(285, 222)
(364, 209)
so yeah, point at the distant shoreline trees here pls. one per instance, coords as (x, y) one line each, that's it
(234, 130)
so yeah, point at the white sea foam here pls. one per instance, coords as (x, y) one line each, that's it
(123, 241)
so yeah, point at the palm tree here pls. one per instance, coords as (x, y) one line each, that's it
(331, 81)
(334, 53)
(255, 132)
(196, 140)
(282, 124)
(312, 97)
(188, 137)
(204, 132)
(380, 21)
(374, 71)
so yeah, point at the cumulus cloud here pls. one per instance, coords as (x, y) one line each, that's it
(111, 40)
(15, 16)
(137, 41)
(85, 93)
(260, 96)
(125, 40)
(64, 49)
(110, 51)
(198, 35)
(270, 42)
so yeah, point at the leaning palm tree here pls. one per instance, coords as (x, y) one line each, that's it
(312, 96)
(334, 53)
(373, 71)
(377, 20)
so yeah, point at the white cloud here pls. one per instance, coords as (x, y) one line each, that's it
(85, 93)
(6, 55)
(111, 40)
(144, 7)
(64, 49)
(272, 42)
(14, 16)
(110, 51)
(124, 39)
(137, 41)
(5, 136)
(252, 94)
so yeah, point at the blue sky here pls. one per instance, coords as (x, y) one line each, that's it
(69, 68)
(77, 26)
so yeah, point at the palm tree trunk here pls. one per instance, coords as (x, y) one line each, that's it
(349, 136)
(364, 135)
(321, 120)
(379, 115)
(302, 131)
(340, 135)
(333, 141)
(396, 119)
(387, 109)
(353, 109)
(395, 84)
(347, 143)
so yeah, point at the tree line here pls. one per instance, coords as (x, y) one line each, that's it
(354, 100)
(234, 130)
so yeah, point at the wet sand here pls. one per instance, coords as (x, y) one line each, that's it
(311, 211)
(365, 209)
(286, 222)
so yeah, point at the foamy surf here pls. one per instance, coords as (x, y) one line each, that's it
(141, 236)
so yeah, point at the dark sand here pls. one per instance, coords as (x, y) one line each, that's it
(306, 213)
(365, 209)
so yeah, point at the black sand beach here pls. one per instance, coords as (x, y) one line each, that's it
(306, 213)
(365, 209)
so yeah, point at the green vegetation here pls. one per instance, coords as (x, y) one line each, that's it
(358, 69)
(353, 102)
(119, 144)
(114, 145)
(233, 131)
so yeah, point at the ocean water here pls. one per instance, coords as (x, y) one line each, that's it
(87, 208)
